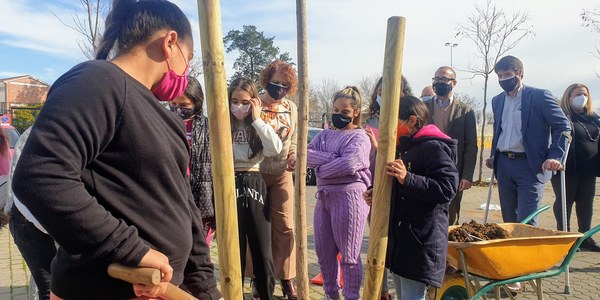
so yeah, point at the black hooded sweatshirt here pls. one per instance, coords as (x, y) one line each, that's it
(418, 238)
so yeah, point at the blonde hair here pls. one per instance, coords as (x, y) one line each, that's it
(351, 92)
(565, 104)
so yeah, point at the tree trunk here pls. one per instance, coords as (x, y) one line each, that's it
(482, 144)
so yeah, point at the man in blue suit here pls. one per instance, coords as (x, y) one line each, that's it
(530, 137)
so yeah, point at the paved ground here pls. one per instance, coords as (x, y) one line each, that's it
(585, 270)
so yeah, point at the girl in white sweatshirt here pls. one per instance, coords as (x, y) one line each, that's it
(253, 140)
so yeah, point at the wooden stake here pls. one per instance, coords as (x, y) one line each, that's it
(215, 86)
(300, 185)
(388, 122)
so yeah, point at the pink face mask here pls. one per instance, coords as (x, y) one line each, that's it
(240, 111)
(172, 85)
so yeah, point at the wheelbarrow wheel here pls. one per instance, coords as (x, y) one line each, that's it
(453, 288)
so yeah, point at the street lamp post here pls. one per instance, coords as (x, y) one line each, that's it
(451, 45)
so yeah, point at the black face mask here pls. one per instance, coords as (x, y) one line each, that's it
(442, 89)
(340, 121)
(183, 112)
(509, 85)
(276, 91)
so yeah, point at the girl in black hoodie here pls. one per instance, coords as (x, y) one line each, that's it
(426, 182)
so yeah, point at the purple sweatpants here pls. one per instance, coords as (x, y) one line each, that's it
(339, 223)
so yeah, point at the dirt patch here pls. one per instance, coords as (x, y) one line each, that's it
(475, 232)
(484, 183)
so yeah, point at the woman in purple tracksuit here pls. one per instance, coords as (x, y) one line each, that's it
(340, 158)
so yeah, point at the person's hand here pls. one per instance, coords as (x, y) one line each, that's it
(372, 138)
(464, 185)
(490, 162)
(157, 260)
(368, 196)
(551, 165)
(397, 170)
(150, 291)
(291, 162)
(256, 108)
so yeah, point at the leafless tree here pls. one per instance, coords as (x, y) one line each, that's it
(366, 85)
(494, 33)
(469, 100)
(324, 91)
(320, 99)
(490, 118)
(591, 19)
(195, 68)
(87, 19)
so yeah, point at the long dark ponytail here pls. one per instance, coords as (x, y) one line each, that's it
(131, 22)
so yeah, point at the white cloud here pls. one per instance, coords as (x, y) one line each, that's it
(6, 74)
(28, 25)
(347, 37)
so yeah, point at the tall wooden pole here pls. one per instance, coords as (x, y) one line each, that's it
(215, 86)
(300, 185)
(388, 122)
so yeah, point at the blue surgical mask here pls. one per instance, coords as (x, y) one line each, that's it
(378, 100)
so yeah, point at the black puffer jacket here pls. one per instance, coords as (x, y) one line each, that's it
(418, 234)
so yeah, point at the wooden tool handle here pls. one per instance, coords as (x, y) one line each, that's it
(147, 276)
(175, 293)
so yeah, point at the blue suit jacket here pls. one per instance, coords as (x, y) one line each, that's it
(545, 128)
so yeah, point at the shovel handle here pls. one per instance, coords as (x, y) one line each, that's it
(147, 276)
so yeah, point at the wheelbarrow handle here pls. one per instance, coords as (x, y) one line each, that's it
(535, 214)
(147, 276)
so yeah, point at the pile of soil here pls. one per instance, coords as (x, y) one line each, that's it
(489, 231)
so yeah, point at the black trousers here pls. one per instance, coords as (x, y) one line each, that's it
(454, 209)
(255, 229)
(37, 248)
(580, 190)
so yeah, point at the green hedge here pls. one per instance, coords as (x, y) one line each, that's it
(23, 117)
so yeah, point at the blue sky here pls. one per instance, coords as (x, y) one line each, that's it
(346, 39)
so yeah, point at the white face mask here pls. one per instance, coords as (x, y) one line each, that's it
(579, 101)
(378, 100)
(426, 98)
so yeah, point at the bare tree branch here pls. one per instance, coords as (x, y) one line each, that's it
(591, 19)
(88, 20)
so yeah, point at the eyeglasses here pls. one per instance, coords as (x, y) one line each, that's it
(442, 79)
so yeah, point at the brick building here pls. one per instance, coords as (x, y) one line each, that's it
(21, 91)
